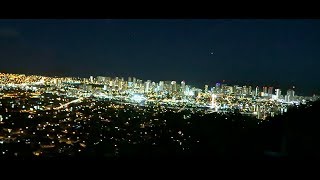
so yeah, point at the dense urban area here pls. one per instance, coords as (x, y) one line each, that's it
(117, 117)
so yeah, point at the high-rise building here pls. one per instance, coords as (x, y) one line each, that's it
(147, 86)
(224, 88)
(100, 79)
(153, 86)
(249, 90)
(278, 93)
(230, 89)
(270, 90)
(183, 86)
(206, 88)
(174, 86)
(265, 90)
(134, 80)
(161, 86)
(213, 102)
(258, 111)
(290, 92)
(91, 79)
(244, 90)
(120, 84)
(257, 91)
(290, 95)
(129, 79)
(218, 87)
(234, 89)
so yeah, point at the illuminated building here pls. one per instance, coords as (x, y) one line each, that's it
(101, 79)
(270, 90)
(138, 98)
(173, 86)
(206, 88)
(290, 95)
(230, 89)
(234, 89)
(258, 111)
(183, 86)
(139, 83)
(265, 90)
(257, 91)
(91, 79)
(134, 80)
(161, 86)
(244, 90)
(218, 87)
(120, 86)
(278, 93)
(187, 90)
(129, 79)
(249, 90)
(147, 86)
(290, 92)
(213, 102)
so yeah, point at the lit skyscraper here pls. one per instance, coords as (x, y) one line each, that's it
(250, 90)
(218, 87)
(206, 88)
(290, 92)
(278, 93)
(91, 79)
(183, 86)
(187, 91)
(174, 86)
(134, 80)
(244, 90)
(213, 102)
(290, 95)
(161, 86)
(265, 90)
(270, 90)
(257, 91)
(147, 86)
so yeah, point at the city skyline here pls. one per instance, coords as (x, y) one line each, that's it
(264, 52)
(203, 87)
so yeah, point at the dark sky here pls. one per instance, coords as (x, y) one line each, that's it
(259, 52)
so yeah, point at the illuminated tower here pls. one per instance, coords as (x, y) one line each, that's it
(187, 91)
(134, 80)
(290, 95)
(244, 90)
(270, 90)
(91, 79)
(174, 86)
(257, 91)
(250, 90)
(147, 86)
(183, 86)
(161, 85)
(206, 88)
(218, 87)
(213, 102)
(278, 93)
(265, 90)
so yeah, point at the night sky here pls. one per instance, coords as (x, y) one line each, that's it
(280, 53)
